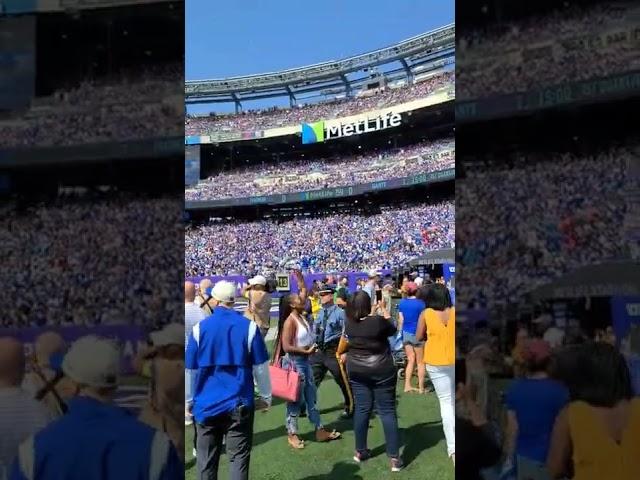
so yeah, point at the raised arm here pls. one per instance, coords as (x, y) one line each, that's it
(302, 288)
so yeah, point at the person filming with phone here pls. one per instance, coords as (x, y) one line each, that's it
(296, 339)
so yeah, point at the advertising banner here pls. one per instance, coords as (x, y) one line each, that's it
(338, 192)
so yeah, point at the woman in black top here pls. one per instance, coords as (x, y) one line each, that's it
(371, 373)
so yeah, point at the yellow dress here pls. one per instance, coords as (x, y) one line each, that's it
(596, 456)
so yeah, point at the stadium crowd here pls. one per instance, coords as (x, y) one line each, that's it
(77, 245)
(253, 120)
(335, 242)
(339, 171)
(137, 105)
(592, 46)
(567, 208)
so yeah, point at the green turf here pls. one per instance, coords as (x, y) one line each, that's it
(424, 450)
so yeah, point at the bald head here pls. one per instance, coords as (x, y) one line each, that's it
(46, 345)
(204, 284)
(189, 292)
(11, 362)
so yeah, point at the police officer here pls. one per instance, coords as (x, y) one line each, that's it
(96, 439)
(328, 327)
(227, 351)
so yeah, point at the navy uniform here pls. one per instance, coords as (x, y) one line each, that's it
(328, 328)
(95, 439)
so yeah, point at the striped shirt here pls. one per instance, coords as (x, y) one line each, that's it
(20, 417)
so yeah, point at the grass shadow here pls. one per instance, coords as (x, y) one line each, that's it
(418, 438)
(190, 464)
(340, 470)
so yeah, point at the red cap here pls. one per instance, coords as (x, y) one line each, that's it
(536, 350)
(411, 288)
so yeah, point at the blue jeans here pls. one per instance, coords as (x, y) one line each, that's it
(308, 394)
(383, 392)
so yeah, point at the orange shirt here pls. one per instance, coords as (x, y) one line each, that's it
(440, 348)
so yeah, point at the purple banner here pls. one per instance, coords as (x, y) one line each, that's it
(309, 278)
(130, 338)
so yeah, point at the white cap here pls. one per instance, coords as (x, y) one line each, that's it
(93, 361)
(374, 273)
(172, 334)
(258, 280)
(224, 291)
(419, 281)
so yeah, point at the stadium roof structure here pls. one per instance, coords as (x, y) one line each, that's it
(428, 52)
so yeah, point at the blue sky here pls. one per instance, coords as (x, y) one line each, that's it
(239, 37)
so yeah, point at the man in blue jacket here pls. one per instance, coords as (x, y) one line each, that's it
(96, 439)
(227, 351)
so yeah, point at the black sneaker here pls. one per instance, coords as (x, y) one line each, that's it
(346, 415)
(303, 414)
(396, 464)
(363, 456)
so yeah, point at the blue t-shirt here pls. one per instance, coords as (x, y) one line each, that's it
(223, 348)
(536, 404)
(411, 308)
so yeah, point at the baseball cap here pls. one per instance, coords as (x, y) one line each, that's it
(258, 280)
(419, 281)
(411, 287)
(172, 334)
(93, 361)
(374, 273)
(224, 291)
(536, 350)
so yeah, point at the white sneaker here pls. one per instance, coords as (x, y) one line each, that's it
(194, 453)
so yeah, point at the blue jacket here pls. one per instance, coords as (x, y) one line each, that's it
(97, 441)
(223, 348)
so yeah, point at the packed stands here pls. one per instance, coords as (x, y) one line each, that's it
(253, 120)
(596, 42)
(568, 209)
(138, 105)
(334, 242)
(301, 175)
(63, 264)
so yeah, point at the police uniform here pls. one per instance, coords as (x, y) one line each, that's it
(328, 329)
(227, 350)
(94, 439)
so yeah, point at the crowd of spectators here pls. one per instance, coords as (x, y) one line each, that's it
(65, 264)
(253, 120)
(132, 106)
(329, 243)
(339, 171)
(535, 217)
(523, 56)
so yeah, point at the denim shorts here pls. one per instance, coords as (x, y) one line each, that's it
(410, 339)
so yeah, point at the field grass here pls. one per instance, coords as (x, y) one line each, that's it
(424, 450)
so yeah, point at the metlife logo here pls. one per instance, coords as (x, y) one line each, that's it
(320, 131)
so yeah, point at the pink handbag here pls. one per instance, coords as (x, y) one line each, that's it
(285, 382)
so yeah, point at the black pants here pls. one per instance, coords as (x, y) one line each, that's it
(237, 428)
(324, 361)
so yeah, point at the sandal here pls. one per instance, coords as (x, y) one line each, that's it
(323, 435)
(295, 441)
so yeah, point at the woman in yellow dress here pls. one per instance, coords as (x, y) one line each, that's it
(597, 436)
